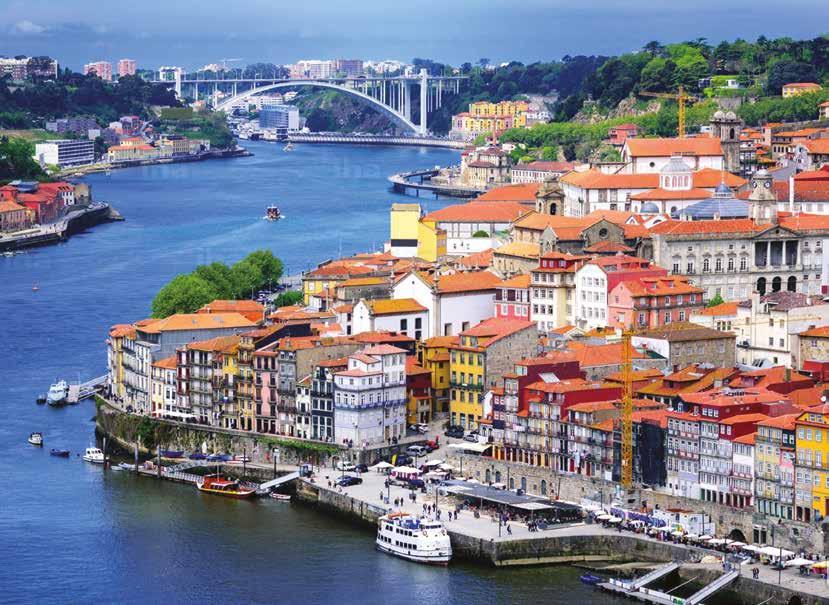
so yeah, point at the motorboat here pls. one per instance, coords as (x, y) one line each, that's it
(36, 438)
(197, 456)
(221, 486)
(35, 288)
(590, 579)
(172, 453)
(272, 214)
(93, 455)
(126, 466)
(218, 458)
(59, 453)
(280, 497)
(288, 147)
(413, 538)
(58, 393)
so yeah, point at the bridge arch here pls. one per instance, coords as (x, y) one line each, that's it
(385, 109)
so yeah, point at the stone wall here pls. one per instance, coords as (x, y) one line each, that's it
(751, 591)
(573, 488)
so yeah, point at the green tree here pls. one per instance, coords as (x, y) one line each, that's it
(16, 161)
(717, 300)
(786, 72)
(549, 153)
(219, 276)
(184, 294)
(288, 298)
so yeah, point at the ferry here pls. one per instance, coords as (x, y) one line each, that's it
(273, 214)
(216, 484)
(288, 147)
(36, 438)
(93, 455)
(58, 393)
(419, 540)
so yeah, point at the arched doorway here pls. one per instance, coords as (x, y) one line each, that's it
(543, 487)
(488, 476)
(497, 476)
(791, 284)
(737, 535)
(776, 284)
(795, 600)
(553, 209)
(511, 483)
(761, 285)
(524, 483)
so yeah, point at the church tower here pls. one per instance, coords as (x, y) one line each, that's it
(762, 202)
(727, 127)
(550, 198)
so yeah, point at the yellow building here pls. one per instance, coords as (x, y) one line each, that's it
(812, 463)
(477, 363)
(484, 117)
(163, 386)
(434, 356)
(798, 88)
(405, 220)
(115, 357)
(431, 241)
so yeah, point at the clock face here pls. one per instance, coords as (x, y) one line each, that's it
(754, 184)
(767, 184)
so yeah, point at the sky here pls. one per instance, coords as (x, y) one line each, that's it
(192, 33)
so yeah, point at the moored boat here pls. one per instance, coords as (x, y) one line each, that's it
(126, 466)
(412, 538)
(280, 497)
(172, 453)
(59, 453)
(36, 438)
(93, 455)
(58, 393)
(216, 484)
(273, 214)
(590, 579)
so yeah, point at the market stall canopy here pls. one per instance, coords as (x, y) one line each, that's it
(478, 448)
(381, 465)
(797, 562)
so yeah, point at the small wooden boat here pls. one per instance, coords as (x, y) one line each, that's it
(590, 579)
(36, 438)
(197, 456)
(172, 453)
(126, 466)
(280, 497)
(59, 453)
(216, 484)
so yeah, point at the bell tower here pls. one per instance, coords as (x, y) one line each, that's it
(762, 202)
(727, 127)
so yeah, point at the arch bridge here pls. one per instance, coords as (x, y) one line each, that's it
(391, 96)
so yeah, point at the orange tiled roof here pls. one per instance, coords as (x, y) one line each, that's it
(220, 344)
(522, 249)
(786, 421)
(478, 260)
(198, 321)
(518, 281)
(168, 363)
(395, 306)
(493, 329)
(660, 286)
(666, 147)
(484, 212)
(473, 281)
(441, 341)
(726, 308)
(363, 281)
(819, 332)
(511, 193)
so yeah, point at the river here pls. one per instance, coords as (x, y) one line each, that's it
(72, 533)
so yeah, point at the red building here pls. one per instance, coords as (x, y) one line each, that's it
(512, 298)
(418, 392)
(619, 134)
(652, 302)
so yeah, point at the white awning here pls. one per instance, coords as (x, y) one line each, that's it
(797, 562)
(532, 506)
(381, 465)
(751, 548)
(478, 448)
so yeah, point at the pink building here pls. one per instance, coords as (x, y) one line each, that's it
(619, 134)
(512, 298)
(653, 302)
(126, 67)
(102, 69)
(265, 384)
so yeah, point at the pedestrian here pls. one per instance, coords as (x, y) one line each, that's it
(381, 495)
(509, 529)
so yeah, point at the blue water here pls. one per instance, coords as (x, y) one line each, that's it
(72, 533)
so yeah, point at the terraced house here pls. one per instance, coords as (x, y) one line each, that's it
(774, 462)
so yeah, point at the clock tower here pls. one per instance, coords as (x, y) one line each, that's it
(762, 202)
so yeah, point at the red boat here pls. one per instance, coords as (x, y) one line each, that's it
(216, 484)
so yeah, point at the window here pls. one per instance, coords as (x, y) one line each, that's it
(743, 263)
(706, 265)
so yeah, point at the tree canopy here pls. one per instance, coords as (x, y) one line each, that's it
(188, 292)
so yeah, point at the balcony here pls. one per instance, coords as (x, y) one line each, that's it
(468, 386)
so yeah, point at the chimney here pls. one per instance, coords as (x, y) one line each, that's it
(791, 194)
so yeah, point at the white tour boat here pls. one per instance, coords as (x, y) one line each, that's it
(58, 393)
(94, 455)
(36, 438)
(413, 538)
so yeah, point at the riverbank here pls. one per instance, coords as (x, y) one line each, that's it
(78, 171)
(78, 218)
(424, 180)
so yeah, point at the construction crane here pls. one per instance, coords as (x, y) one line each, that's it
(680, 99)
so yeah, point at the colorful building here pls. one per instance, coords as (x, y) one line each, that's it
(419, 398)
(794, 89)
(650, 302)
(812, 464)
(434, 356)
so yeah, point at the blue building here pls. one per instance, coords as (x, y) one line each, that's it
(282, 118)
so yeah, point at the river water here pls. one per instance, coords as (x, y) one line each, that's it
(72, 533)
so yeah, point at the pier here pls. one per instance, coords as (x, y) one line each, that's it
(84, 390)
(76, 219)
(405, 181)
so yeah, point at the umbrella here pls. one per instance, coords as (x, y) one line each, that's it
(603, 517)
(716, 541)
(704, 538)
(692, 537)
(433, 463)
(447, 467)
(381, 465)
(751, 548)
(736, 544)
(797, 562)
(821, 565)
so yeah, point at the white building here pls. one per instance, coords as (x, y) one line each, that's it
(402, 315)
(370, 397)
(65, 152)
(651, 155)
(538, 172)
(454, 302)
(476, 226)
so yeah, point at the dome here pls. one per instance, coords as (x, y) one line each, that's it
(761, 173)
(730, 115)
(719, 115)
(675, 166)
(723, 205)
(649, 208)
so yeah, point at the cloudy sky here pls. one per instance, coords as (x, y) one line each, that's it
(194, 32)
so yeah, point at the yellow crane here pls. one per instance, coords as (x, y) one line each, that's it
(680, 99)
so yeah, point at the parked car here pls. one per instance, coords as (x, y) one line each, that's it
(454, 431)
(422, 428)
(401, 460)
(361, 468)
(416, 450)
(416, 483)
(344, 465)
(471, 437)
(348, 481)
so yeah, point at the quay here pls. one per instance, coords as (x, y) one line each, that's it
(403, 182)
(79, 171)
(360, 139)
(78, 218)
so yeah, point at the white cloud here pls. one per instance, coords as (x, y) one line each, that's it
(28, 27)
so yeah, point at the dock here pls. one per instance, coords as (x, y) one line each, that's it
(637, 589)
(357, 139)
(403, 181)
(84, 390)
